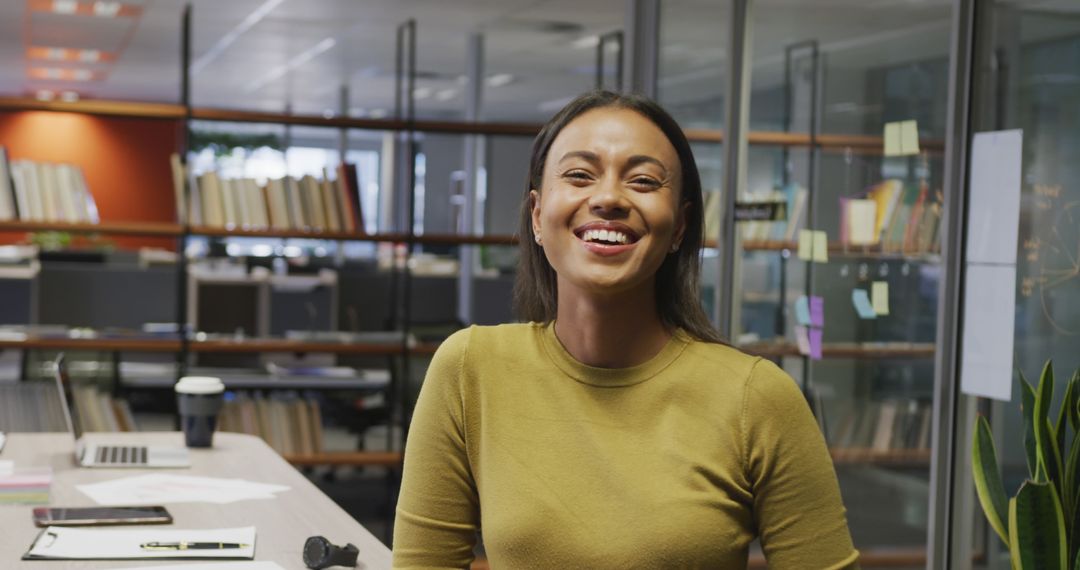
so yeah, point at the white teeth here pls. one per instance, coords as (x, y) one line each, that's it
(605, 236)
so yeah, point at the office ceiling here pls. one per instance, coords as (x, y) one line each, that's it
(269, 54)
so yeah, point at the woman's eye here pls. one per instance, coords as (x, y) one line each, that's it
(577, 175)
(644, 181)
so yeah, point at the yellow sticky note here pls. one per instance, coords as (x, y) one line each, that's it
(909, 138)
(806, 245)
(892, 139)
(861, 219)
(821, 247)
(879, 297)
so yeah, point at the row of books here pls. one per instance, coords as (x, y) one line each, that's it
(289, 423)
(307, 204)
(35, 407)
(899, 218)
(44, 192)
(793, 198)
(100, 412)
(883, 426)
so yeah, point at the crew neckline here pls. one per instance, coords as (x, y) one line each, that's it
(610, 377)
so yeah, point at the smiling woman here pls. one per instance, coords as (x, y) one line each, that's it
(613, 430)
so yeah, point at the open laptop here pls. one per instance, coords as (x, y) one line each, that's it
(97, 455)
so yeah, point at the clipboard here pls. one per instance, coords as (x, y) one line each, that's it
(73, 543)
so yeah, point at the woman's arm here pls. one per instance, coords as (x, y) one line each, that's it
(438, 512)
(797, 504)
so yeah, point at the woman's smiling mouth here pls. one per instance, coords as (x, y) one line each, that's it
(607, 238)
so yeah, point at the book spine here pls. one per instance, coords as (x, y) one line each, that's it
(7, 194)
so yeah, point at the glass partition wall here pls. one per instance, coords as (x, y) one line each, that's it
(1027, 78)
(841, 287)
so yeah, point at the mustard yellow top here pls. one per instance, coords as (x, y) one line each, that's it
(676, 463)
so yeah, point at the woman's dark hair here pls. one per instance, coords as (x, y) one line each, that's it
(677, 296)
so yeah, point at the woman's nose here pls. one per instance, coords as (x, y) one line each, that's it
(609, 198)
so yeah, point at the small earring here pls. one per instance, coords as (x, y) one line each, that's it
(674, 247)
(539, 240)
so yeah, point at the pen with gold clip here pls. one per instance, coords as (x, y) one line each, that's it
(191, 545)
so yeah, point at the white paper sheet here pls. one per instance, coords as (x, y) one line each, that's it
(243, 565)
(68, 543)
(994, 197)
(989, 316)
(166, 488)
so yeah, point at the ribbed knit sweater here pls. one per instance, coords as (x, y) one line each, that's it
(679, 462)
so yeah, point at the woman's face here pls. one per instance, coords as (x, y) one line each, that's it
(609, 210)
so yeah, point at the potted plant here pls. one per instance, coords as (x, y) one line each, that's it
(1041, 524)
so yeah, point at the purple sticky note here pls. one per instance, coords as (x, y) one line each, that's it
(817, 311)
(815, 344)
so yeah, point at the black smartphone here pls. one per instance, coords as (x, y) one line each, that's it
(92, 516)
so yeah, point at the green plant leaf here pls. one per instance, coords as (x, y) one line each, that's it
(1062, 424)
(1027, 406)
(1074, 414)
(988, 483)
(1072, 493)
(1046, 449)
(1037, 539)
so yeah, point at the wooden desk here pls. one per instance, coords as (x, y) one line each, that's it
(281, 524)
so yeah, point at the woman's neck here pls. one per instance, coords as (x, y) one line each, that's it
(611, 331)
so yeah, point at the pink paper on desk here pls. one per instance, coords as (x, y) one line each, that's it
(817, 311)
(815, 344)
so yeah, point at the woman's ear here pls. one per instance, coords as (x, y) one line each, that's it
(534, 207)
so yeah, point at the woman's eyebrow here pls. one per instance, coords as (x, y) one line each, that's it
(643, 159)
(631, 162)
(588, 156)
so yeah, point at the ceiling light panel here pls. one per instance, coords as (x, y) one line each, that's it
(92, 8)
(64, 74)
(69, 54)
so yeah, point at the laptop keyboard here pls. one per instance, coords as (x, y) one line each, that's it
(121, 455)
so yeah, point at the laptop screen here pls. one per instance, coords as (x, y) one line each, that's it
(67, 398)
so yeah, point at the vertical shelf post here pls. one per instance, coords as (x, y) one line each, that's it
(184, 218)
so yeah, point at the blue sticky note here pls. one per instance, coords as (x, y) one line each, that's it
(861, 300)
(817, 311)
(815, 344)
(802, 310)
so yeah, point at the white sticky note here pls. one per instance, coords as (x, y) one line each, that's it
(989, 321)
(994, 197)
(861, 222)
(802, 340)
(909, 138)
(806, 245)
(821, 247)
(892, 139)
(879, 297)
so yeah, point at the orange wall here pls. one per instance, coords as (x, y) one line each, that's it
(125, 161)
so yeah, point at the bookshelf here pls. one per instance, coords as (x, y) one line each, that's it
(252, 345)
(355, 458)
(824, 142)
(115, 228)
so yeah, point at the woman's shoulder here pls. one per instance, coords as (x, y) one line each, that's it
(723, 357)
(486, 339)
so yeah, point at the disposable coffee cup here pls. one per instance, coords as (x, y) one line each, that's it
(199, 400)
